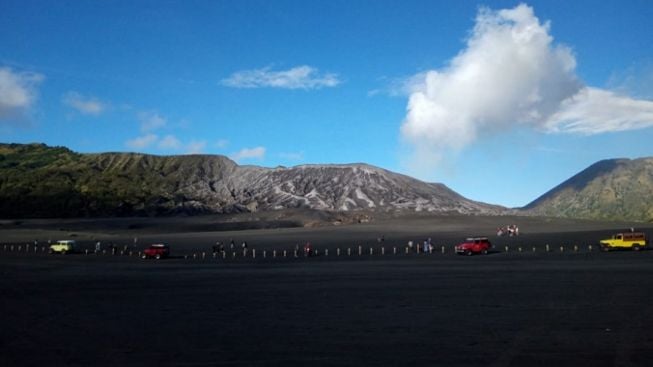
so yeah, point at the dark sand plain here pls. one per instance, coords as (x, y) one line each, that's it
(528, 308)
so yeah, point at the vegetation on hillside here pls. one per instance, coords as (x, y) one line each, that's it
(41, 181)
(616, 189)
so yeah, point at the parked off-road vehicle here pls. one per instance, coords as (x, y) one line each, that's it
(474, 245)
(628, 240)
(63, 247)
(156, 251)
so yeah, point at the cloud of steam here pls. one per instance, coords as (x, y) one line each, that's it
(17, 92)
(510, 73)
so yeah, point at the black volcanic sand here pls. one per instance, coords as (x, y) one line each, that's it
(528, 308)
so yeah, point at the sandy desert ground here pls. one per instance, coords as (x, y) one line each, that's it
(508, 308)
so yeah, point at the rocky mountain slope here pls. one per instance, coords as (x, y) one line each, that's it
(41, 181)
(620, 189)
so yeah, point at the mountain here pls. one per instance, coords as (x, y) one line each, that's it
(41, 181)
(619, 189)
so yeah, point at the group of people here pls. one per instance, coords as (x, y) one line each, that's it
(426, 245)
(112, 247)
(510, 230)
(220, 248)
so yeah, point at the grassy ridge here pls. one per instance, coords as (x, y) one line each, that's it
(41, 181)
(615, 189)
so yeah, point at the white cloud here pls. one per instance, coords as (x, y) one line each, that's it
(169, 142)
(142, 142)
(292, 156)
(248, 153)
(196, 147)
(222, 143)
(636, 80)
(151, 120)
(510, 74)
(84, 105)
(17, 92)
(595, 111)
(300, 77)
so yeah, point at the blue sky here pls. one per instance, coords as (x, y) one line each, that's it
(499, 100)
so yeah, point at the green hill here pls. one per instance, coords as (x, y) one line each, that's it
(615, 189)
(41, 181)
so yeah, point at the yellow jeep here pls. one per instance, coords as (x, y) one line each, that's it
(63, 247)
(628, 240)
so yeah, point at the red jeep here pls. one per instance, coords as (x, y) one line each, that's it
(157, 251)
(474, 245)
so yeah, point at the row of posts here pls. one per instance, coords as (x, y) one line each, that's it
(36, 249)
(284, 253)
